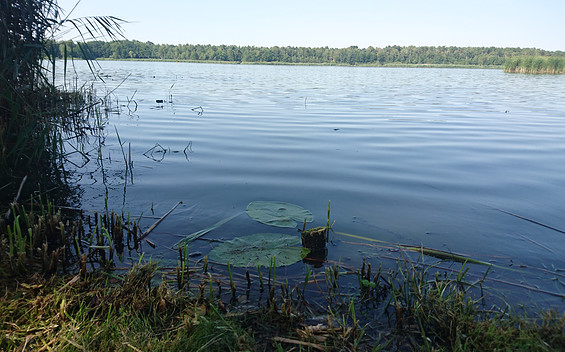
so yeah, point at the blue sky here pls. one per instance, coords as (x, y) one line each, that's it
(338, 24)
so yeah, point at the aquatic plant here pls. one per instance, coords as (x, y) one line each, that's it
(279, 214)
(35, 115)
(535, 65)
(195, 235)
(259, 249)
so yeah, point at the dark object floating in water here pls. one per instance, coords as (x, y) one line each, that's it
(159, 101)
(199, 110)
(315, 239)
(158, 150)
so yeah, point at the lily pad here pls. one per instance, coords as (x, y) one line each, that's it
(258, 249)
(278, 214)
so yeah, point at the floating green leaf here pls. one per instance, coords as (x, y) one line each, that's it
(278, 214)
(258, 249)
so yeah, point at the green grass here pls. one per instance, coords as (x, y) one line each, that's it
(443, 314)
(535, 65)
(95, 313)
(141, 310)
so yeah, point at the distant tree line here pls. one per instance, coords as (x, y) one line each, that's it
(353, 55)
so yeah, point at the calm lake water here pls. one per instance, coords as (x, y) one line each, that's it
(415, 156)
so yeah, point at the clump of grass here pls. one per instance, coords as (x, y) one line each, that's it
(37, 238)
(535, 65)
(32, 241)
(111, 314)
(433, 311)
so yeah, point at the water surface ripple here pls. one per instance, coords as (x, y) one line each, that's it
(406, 155)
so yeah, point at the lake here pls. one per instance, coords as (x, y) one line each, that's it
(444, 158)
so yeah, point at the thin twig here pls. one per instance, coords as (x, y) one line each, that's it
(20, 189)
(132, 346)
(536, 243)
(202, 232)
(71, 282)
(6, 185)
(530, 220)
(157, 222)
(530, 288)
(298, 342)
(17, 196)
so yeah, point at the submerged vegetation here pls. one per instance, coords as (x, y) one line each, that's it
(535, 65)
(388, 56)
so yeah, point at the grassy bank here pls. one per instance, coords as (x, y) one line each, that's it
(106, 311)
(535, 65)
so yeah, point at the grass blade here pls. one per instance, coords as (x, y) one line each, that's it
(202, 232)
(443, 255)
(157, 222)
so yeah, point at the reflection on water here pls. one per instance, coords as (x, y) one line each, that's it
(415, 156)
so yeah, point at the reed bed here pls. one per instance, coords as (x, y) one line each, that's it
(535, 65)
(37, 118)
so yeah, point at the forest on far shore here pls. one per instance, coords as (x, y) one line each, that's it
(353, 55)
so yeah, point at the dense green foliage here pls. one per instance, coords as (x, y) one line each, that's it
(535, 64)
(390, 55)
(23, 28)
(35, 116)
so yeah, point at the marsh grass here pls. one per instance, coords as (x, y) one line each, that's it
(412, 306)
(37, 118)
(535, 65)
(39, 237)
(430, 309)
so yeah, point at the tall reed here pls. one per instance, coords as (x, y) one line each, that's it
(535, 65)
(34, 114)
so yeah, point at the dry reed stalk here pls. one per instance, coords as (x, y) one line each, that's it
(146, 233)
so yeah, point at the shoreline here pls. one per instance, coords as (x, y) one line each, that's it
(280, 63)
